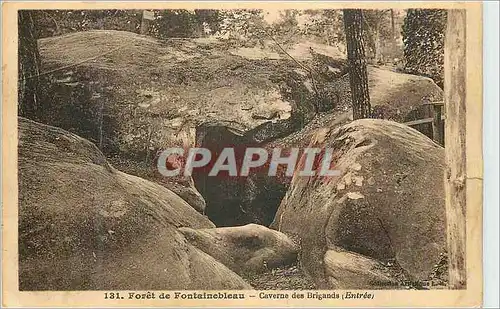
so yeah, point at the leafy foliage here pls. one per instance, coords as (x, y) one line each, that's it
(58, 22)
(175, 23)
(185, 23)
(244, 26)
(377, 33)
(167, 23)
(327, 25)
(423, 37)
(251, 27)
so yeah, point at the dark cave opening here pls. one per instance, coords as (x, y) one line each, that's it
(235, 200)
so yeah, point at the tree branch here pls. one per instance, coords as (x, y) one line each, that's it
(309, 70)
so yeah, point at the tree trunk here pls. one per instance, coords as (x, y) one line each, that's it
(394, 41)
(393, 27)
(144, 26)
(455, 176)
(29, 104)
(358, 76)
(378, 52)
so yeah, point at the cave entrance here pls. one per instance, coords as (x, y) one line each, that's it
(233, 201)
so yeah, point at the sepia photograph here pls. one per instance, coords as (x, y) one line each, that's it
(245, 153)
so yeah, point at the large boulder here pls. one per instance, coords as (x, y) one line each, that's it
(133, 94)
(348, 270)
(83, 225)
(387, 204)
(245, 249)
(394, 95)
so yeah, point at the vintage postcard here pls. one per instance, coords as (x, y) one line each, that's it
(242, 154)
